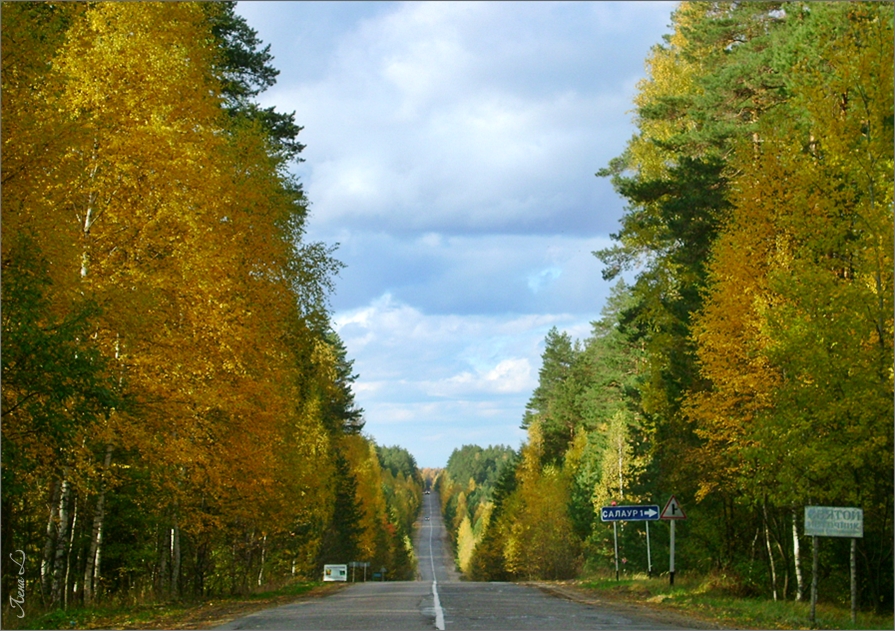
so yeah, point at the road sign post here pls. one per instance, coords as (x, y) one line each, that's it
(649, 559)
(616, 514)
(673, 513)
(671, 558)
(834, 521)
(358, 564)
(853, 570)
(615, 533)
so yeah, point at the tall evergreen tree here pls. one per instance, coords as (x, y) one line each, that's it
(341, 539)
(552, 402)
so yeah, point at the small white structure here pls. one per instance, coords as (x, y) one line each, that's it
(335, 573)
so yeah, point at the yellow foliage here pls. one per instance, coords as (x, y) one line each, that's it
(465, 544)
(538, 538)
(669, 74)
(145, 198)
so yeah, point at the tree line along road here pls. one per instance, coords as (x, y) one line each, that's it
(438, 599)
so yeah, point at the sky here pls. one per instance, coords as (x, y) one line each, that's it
(451, 152)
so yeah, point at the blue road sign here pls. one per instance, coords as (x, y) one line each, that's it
(629, 513)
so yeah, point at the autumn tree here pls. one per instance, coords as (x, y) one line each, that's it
(175, 402)
(402, 485)
(539, 540)
(794, 336)
(746, 216)
(489, 561)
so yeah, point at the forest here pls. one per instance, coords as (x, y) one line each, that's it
(178, 413)
(466, 488)
(744, 361)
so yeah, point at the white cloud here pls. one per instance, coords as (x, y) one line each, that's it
(432, 432)
(468, 117)
(421, 375)
(509, 376)
(451, 150)
(512, 375)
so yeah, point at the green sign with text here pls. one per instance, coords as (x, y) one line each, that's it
(834, 521)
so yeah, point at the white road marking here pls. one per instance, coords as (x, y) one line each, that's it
(439, 612)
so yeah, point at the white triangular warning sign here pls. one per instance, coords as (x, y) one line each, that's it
(672, 510)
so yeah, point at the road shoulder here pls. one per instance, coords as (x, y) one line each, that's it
(570, 591)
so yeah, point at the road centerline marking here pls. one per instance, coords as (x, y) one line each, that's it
(439, 612)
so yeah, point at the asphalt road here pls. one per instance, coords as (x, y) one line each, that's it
(439, 600)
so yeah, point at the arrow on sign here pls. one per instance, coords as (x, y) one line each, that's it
(673, 510)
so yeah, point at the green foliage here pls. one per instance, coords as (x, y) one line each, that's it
(402, 486)
(744, 201)
(399, 461)
(552, 404)
(471, 462)
(467, 486)
(488, 563)
(245, 71)
(540, 541)
(54, 381)
(474, 471)
(341, 539)
(583, 424)
(341, 410)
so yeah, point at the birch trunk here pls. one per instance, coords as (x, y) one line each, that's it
(767, 539)
(91, 569)
(91, 565)
(175, 560)
(86, 222)
(800, 585)
(71, 543)
(783, 558)
(61, 543)
(261, 572)
(46, 563)
(97, 561)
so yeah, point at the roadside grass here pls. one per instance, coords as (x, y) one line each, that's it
(184, 614)
(710, 599)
